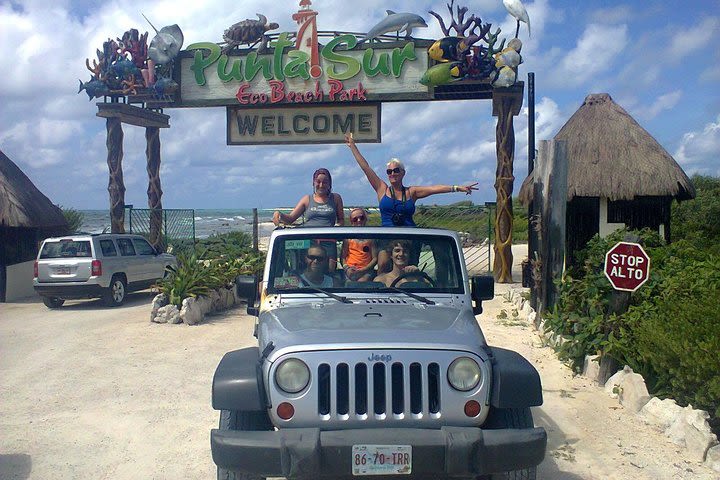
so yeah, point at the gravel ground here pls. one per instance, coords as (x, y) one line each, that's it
(93, 392)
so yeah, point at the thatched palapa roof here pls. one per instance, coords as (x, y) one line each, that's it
(21, 203)
(611, 155)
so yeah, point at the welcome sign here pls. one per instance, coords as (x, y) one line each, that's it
(307, 124)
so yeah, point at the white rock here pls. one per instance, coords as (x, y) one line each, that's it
(526, 308)
(215, 301)
(168, 314)
(692, 430)
(205, 304)
(612, 385)
(531, 317)
(227, 298)
(712, 459)
(633, 393)
(159, 301)
(591, 367)
(191, 313)
(661, 412)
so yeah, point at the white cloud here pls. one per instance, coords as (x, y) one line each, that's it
(697, 36)
(596, 51)
(616, 14)
(664, 102)
(699, 151)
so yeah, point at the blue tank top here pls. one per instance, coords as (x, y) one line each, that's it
(404, 208)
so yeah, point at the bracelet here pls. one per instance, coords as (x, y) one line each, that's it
(454, 188)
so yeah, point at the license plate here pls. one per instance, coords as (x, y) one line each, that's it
(381, 459)
(62, 270)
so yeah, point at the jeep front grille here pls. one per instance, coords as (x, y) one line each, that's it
(378, 390)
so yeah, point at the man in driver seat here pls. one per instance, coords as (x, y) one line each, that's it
(315, 267)
(400, 251)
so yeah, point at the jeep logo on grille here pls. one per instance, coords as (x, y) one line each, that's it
(379, 358)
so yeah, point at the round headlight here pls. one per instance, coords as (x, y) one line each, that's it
(464, 374)
(292, 375)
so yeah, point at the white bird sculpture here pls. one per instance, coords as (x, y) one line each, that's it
(517, 10)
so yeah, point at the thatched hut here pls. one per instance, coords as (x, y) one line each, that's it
(26, 217)
(618, 174)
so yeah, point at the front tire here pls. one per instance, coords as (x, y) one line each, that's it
(53, 302)
(236, 420)
(500, 418)
(115, 295)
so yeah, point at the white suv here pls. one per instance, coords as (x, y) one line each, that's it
(97, 266)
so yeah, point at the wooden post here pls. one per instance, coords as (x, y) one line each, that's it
(154, 190)
(256, 236)
(551, 180)
(116, 186)
(506, 104)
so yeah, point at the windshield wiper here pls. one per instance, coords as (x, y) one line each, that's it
(411, 295)
(339, 298)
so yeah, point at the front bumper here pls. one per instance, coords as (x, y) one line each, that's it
(309, 452)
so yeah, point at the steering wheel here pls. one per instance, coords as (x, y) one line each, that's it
(415, 274)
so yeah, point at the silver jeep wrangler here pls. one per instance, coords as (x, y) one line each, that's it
(389, 376)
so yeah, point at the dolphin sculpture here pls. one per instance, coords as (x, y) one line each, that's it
(395, 22)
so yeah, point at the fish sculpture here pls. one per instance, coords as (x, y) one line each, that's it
(395, 22)
(94, 88)
(166, 44)
(442, 74)
(164, 86)
(446, 49)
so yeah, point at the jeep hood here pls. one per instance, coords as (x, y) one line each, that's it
(331, 326)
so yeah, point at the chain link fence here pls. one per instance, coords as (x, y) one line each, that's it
(162, 226)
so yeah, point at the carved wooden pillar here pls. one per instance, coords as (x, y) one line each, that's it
(154, 191)
(116, 186)
(506, 104)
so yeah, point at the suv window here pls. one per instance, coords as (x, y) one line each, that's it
(143, 247)
(108, 248)
(66, 248)
(126, 247)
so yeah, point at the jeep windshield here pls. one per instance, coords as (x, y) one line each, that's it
(356, 260)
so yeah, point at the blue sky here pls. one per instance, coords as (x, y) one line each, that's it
(658, 59)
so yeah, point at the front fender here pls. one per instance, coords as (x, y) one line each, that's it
(237, 384)
(516, 383)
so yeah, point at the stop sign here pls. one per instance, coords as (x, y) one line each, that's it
(627, 266)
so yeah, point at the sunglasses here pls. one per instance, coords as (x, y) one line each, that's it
(315, 258)
(394, 170)
(358, 219)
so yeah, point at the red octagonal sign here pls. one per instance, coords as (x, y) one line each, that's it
(627, 266)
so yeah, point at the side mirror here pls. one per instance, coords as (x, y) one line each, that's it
(247, 288)
(481, 288)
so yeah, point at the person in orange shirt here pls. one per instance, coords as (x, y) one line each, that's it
(359, 256)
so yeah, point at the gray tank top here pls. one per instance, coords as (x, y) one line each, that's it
(321, 214)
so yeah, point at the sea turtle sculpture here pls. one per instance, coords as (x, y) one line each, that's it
(248, 32)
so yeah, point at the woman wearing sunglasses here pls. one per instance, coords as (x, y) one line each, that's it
(396, 201)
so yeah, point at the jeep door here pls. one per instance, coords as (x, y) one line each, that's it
(65, 260)
(131, 262)
(150, 268)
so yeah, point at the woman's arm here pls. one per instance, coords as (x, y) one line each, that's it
(426, 191)
(373, 260)
(279, 217)
(339, 209)
(378, 185)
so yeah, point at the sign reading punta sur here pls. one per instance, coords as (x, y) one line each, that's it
(294, 69)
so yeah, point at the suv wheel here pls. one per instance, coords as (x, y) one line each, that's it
(115, 294)
(53, 302)
(500, 418)
(236, 420)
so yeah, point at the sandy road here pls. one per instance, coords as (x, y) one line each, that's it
(92, 392)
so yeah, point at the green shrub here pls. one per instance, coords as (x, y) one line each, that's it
(73, 218)
(698, 220)
(191, 278)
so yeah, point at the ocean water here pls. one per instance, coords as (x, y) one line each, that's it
(207, 222)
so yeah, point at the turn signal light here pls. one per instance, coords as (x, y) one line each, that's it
(472, 408)
(285, 411)
(35, 269)
(96, 268)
